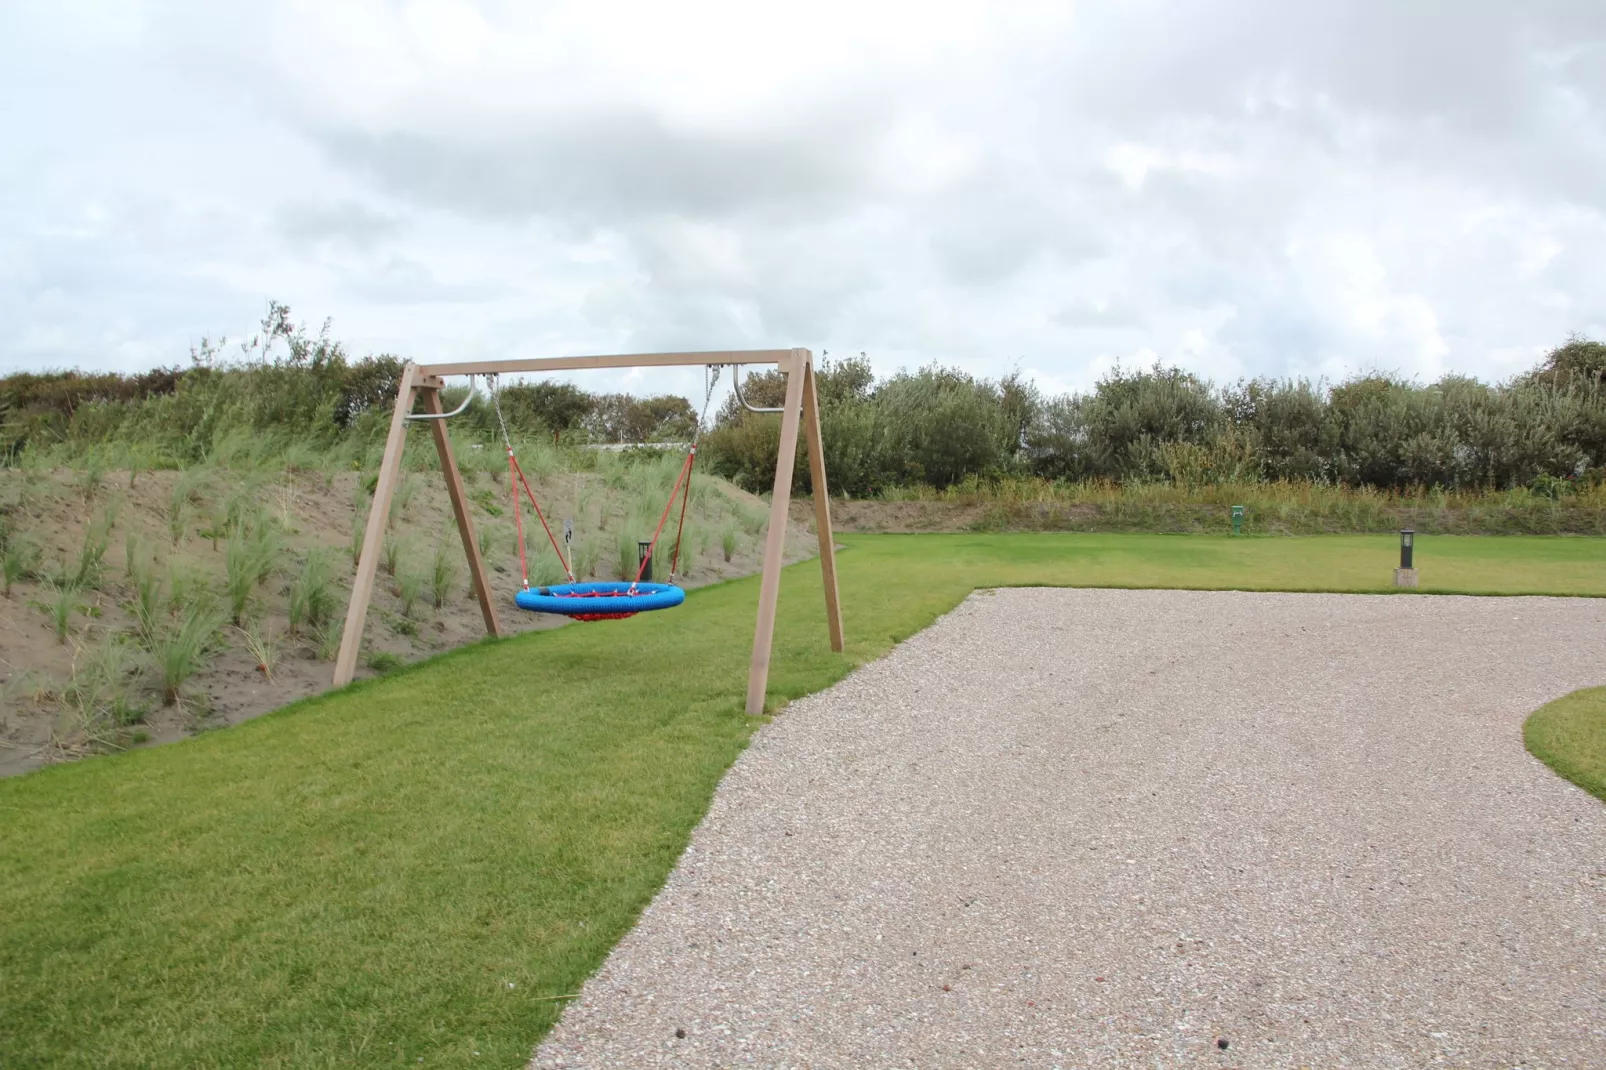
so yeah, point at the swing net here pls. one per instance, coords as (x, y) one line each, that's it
(600, 600)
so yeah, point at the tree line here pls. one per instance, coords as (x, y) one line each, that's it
(1545, 430)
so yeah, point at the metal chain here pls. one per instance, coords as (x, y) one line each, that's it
(496, 403)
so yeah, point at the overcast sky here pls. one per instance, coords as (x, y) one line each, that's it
(1241, 187)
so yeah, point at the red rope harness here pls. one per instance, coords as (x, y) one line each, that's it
(674, 560)
(515, 476)
(685, 472)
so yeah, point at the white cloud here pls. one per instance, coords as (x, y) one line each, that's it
(1241, 187)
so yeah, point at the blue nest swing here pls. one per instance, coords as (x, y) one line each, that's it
(599, 601)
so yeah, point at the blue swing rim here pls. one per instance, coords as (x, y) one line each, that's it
(577, 599)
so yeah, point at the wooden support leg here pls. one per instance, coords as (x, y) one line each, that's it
(362, 587)
(822, 505)
(465, 523)
(769, 592)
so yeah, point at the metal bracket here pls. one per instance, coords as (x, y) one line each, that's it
(736, 385)
(445, 415)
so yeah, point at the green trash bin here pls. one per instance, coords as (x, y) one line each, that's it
(1237, 520)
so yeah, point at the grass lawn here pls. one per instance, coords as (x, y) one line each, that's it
(1569, 735)
(409, 871)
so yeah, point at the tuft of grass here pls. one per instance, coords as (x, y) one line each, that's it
(392, 554)
(383, 662)
(442, 575)
(242, 507)
(1569, 735)
(358, 531)
(147, 601)
(263, 644)
(184, 587)
(401, 497)
(133, 553)
(91, 475)
(546, 570)
(728, 542)
(313, 597)
(629, 556)
(587, 555)
(326, 640)
(19, 560)
(97, 698)
(247, 563)
(187, 490)
(89, 569)
(64, 602)
(217, 521)
(409, 589)
(181, 648)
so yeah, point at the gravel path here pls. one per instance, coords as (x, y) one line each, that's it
(1089, 828)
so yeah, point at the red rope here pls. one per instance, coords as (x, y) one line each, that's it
(662, 520)
(513, 466)
(518, 516)
(674, 561)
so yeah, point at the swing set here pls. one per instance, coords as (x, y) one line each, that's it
(602, 601)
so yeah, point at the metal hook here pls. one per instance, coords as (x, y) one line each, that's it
(445, 415)
(736, 385)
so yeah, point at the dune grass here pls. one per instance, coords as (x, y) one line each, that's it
(1569, 735)
(415, 870)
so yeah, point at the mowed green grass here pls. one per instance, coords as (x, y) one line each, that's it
(1569, 735)
(408, 871)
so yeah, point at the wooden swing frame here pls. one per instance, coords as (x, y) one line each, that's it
(423, 383)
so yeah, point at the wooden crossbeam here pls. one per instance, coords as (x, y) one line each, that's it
(622, 360)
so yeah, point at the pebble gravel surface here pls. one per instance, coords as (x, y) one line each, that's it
(1095, 828)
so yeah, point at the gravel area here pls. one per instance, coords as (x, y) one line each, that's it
(1092, 828)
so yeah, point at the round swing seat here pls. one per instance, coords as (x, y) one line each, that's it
(600, 601)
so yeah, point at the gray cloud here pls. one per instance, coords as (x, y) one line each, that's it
(315, 222)
(618, 164)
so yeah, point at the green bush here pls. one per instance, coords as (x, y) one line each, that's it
(296, 400)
